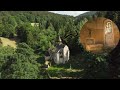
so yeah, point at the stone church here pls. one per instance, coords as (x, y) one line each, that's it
(60, 54)
(99, 34)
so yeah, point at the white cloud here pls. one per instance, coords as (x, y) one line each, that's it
(72, 13)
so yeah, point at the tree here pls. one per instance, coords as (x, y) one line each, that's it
(12, 21)
(1, 29)
(21, 65)
(23, 31)
(4, 52)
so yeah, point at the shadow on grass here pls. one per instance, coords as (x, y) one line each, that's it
(73, 68)
(78, 68)
(65, 73)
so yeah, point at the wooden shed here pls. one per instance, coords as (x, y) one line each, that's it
(99, 34)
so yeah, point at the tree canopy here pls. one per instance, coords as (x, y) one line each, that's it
(35, 40)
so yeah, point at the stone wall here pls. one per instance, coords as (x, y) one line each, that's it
(95, 30)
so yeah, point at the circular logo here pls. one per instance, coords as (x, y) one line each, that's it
(99, 35)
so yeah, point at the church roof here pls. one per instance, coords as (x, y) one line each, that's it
(47, 53)
(59, 46)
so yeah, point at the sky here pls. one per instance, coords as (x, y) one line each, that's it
(71, 13)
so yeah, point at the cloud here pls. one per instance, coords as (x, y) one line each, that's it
(72, 13)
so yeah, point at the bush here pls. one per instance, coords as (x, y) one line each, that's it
(96, 66)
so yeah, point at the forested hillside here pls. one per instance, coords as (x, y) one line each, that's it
(25, 61)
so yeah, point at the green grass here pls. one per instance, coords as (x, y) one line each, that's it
(70, 69)
(63, 72)
(79, 68)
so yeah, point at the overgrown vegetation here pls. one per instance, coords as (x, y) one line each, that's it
(25, 61)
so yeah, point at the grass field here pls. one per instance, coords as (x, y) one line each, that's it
(8, 42)
(76, 68)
